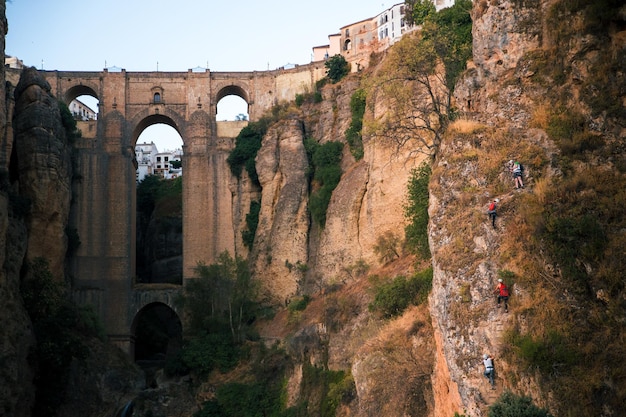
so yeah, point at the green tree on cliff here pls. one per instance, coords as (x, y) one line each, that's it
(336, 68)
(418, 80)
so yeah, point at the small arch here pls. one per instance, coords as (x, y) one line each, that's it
(79, 90)
(158, 334)
(83, 103)
(232, 103)
(347, 45)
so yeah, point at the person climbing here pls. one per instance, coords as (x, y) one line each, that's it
(489, 370)
(517, 171)
(502, 291)
(492, 212)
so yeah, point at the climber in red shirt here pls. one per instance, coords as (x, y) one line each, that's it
(502, 291)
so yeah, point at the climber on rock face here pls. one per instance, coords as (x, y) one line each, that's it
(489, 370)
(502, 293)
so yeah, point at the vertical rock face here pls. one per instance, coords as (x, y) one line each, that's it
(44, 168)
(292, 255)
(467, 324)
(17, 393)
(281, 243)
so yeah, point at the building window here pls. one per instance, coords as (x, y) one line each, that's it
(158, 159)
(347, 32)
(157, 97)
(167, 158)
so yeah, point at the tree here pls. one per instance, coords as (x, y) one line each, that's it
(418, 80)
(418, 11)
(220, 297)
(336, 68)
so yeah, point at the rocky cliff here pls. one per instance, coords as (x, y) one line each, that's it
(35, 202)
(427, 361)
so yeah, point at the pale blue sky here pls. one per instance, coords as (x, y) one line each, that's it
(242, 35)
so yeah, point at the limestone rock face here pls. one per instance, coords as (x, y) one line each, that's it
(16, 337)
(281, 242)
(44, 168)
(466, 322)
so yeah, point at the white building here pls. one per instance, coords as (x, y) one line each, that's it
(391, 25)
(144, 154)
(152, 162)
(357, 41)
(81, 111)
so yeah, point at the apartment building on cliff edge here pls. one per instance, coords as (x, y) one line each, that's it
(357, 41)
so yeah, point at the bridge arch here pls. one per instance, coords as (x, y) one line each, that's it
(145, 120)
(79, 90)
(233, 90)
(157, 332)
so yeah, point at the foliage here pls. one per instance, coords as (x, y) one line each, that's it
(314, 97)
(60, 328)
(160, 194)
(386, 247)
(418, 11)
(416, 212)
(549, 353)
(419, 77)
(336, 68)
(332, 387)
(451, 34)
(221, 297)
(209, 351)
(511, 405)
(393, 297)
(252, 222)
(261, 395)
(176, 164)
(247, 144)
(299, 303)
(354, 135)
(71, 130)
(325, 160)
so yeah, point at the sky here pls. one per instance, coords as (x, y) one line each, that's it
(141, 35)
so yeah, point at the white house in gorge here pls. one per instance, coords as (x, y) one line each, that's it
(152, 162)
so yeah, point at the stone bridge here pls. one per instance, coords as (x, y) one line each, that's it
(214, 202)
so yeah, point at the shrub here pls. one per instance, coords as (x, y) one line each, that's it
(392, 298)
(299, 303)
(511, 405)
(210, 351)
(252, 222)
(416, 212)
(247, 144)
(550, 353)
(386, 247)
(354, 132)
(299, 99)
(326, 172)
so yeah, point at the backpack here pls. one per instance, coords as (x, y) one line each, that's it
(492, 207)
